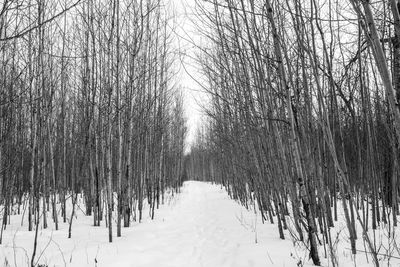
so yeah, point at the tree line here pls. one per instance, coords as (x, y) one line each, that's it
(303, 116)
(89, 108)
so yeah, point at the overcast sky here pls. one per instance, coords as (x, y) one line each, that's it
(192, 90)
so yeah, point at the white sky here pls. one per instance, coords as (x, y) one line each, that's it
(191, 89)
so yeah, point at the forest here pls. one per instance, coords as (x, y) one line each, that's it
(300, 127)
(303, 115)
(87, 106)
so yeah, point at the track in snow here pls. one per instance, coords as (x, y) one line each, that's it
(199, 227)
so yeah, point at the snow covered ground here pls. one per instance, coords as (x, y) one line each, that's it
(199, 227)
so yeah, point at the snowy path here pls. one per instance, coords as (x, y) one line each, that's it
(202, 228)
(199, 227)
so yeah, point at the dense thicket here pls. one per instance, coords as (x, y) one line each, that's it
(87, 105)
(304, 113)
